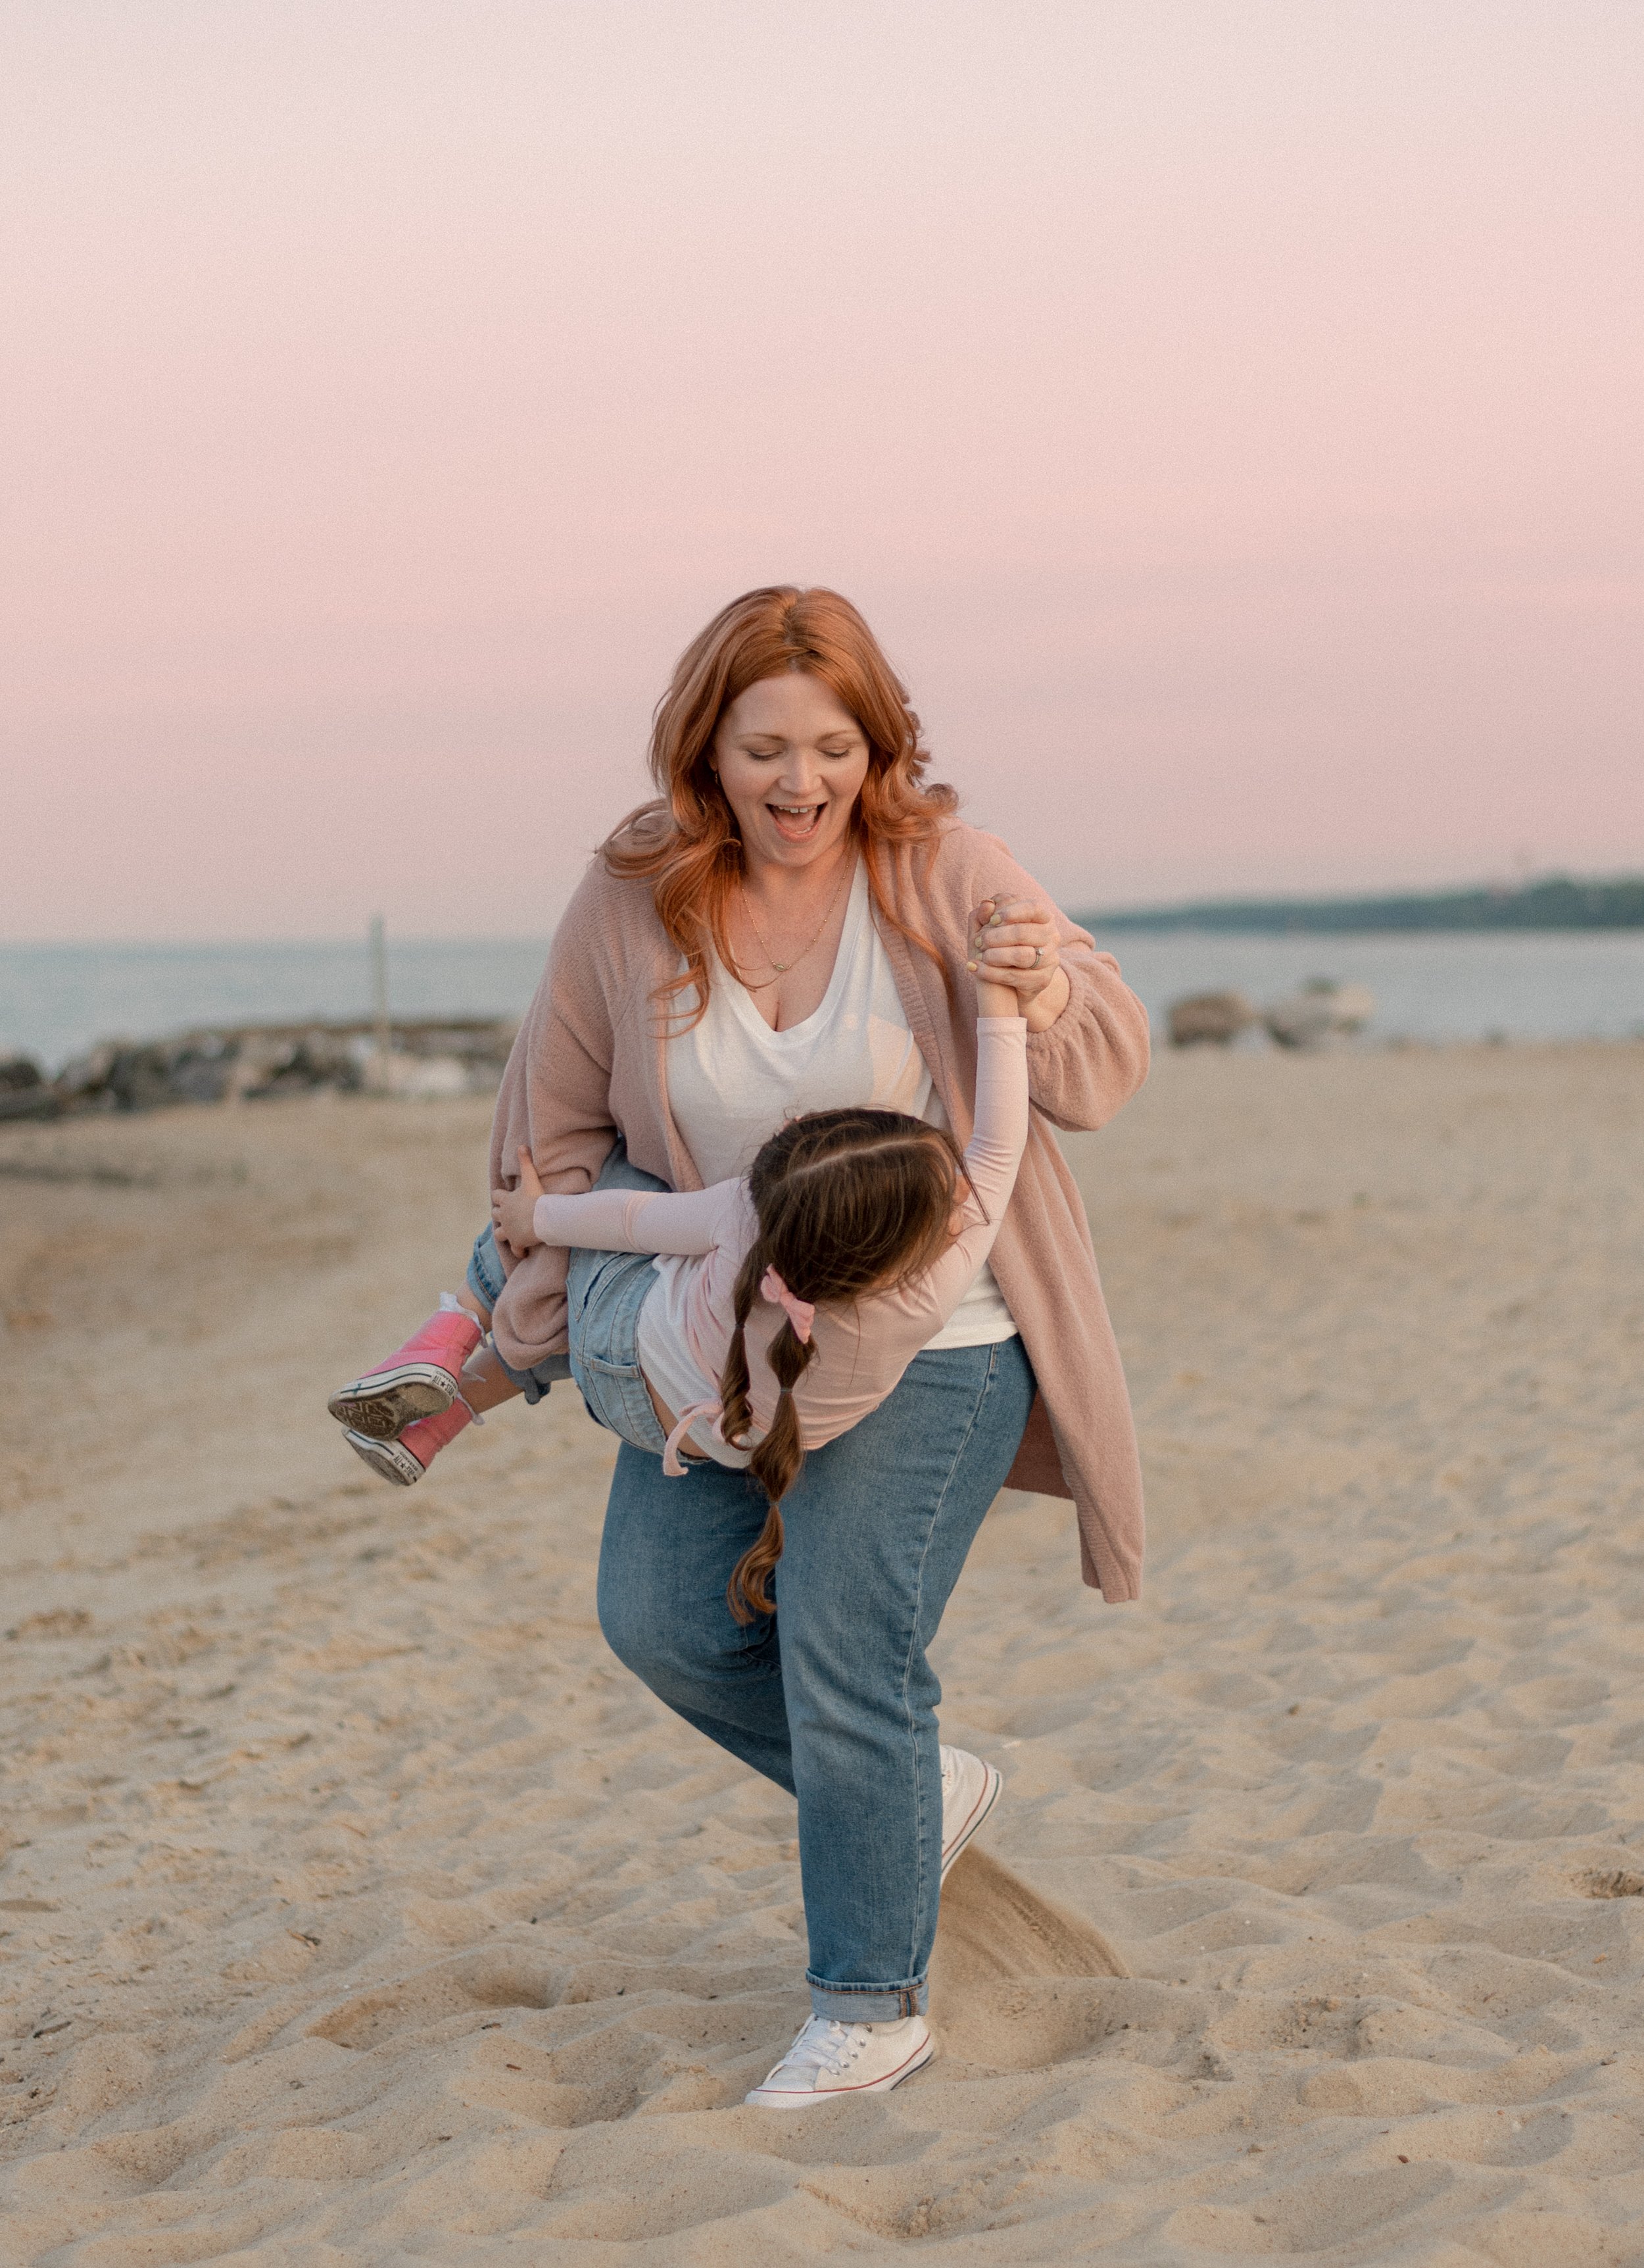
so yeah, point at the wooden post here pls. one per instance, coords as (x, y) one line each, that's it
(380, 999)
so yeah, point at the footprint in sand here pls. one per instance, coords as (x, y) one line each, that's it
(453, 1989)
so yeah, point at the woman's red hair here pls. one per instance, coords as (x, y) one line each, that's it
(686, 843)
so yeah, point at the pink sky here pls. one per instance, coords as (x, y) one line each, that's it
(1228, 415)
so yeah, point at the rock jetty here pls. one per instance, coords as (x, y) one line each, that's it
(258, 1063)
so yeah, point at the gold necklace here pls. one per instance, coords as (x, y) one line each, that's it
(782, 967)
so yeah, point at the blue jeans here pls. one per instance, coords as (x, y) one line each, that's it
(832, 1696)
(603, 1293)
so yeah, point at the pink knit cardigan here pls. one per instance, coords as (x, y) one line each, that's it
(591, 1060)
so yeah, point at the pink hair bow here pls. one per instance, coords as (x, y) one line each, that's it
(801, 1314)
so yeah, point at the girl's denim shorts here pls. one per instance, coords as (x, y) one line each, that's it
(604, 1292)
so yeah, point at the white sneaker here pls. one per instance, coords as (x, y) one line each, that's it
(970, 1789)
(392, 1459)
(829, 2059)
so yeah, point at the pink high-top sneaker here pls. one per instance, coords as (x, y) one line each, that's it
(418, 1381)
(406, 1461)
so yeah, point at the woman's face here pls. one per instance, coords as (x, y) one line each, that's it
(791, 760)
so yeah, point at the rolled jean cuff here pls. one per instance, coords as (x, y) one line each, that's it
(486, 1279)
(869, 2004)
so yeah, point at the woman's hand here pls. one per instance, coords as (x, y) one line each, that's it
(1013, 942)
(512, 1209)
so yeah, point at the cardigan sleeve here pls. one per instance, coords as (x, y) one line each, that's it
(1093, 1058)
(555, 1100)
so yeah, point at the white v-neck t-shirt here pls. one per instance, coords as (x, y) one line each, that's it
(732, 1081)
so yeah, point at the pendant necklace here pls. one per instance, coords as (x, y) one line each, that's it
(782, 967)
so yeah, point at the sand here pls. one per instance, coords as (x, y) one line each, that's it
(357, 1906)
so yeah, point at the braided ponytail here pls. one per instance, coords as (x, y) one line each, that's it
(848, 1201)
(776, 1460)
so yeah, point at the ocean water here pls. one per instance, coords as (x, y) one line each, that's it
(56, 999)
(1555, 984)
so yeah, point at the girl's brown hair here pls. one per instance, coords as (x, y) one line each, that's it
(686, 843)
(848, 1201)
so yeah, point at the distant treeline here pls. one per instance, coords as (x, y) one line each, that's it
(1559, 903)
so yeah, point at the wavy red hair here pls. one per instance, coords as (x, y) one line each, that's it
(686, 843)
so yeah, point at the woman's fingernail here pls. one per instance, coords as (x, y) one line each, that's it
(971, 965)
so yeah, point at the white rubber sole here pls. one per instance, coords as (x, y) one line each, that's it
(992, 1787)
(386, 1402)
(769, 2098)
(392, 1459)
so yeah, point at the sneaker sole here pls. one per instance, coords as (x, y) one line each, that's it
(993, 1787)
(921, 2057)
(395, 1462)
(387, 1402)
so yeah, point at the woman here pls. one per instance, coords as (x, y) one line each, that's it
(784, 930)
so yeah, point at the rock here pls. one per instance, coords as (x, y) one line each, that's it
(28, 1102)
(1212, 1019)
(255, 1063)
(417, 1079)
(201, 1068)
(268, 1064)
(84, 1081)
(483, 1046)
(140, 1078)
(1350, 1005)
(24, 1093)
(1322, 1010)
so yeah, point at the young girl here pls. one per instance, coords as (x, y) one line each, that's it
(777, 1311)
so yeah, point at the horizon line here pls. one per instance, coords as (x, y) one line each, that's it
(1154, 909)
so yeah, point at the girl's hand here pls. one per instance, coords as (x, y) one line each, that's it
(1013, 944)
(995, 999)
(512, 1209)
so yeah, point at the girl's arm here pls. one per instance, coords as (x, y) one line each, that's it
(992, 1156)
(611, 1221)
(1000, 1129)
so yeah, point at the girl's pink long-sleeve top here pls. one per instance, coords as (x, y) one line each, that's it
(861, 1351)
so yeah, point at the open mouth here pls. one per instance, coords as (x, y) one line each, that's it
(796, 822)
